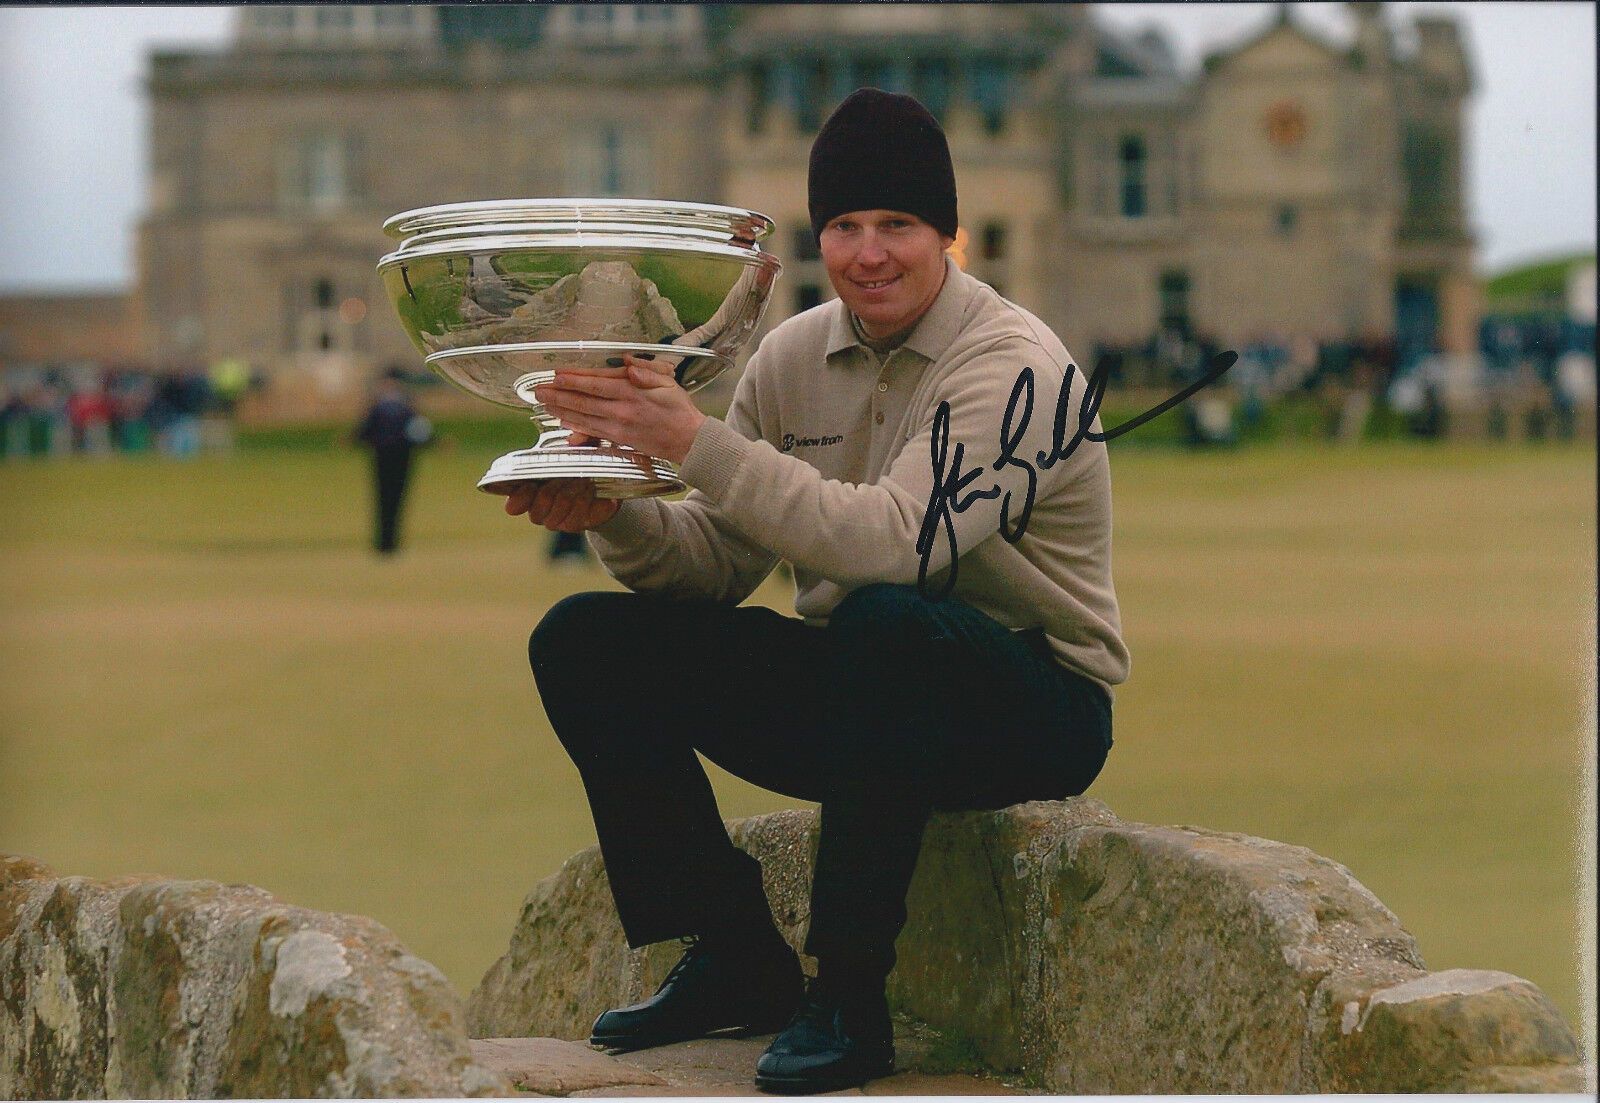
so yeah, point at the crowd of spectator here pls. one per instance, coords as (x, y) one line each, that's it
(1267, 368)
(88, 409)
(1544, 368)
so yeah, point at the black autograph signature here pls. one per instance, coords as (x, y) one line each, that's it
(950, 494)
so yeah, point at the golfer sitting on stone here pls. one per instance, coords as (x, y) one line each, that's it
(953, 650)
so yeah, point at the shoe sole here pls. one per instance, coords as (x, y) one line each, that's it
(805, 1085)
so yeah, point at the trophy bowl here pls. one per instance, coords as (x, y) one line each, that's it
(500, 295)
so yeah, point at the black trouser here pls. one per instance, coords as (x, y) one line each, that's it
(898, 707)
(390, 469)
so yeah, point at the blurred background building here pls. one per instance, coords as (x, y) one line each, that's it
(1298, 200)
(1291, 191)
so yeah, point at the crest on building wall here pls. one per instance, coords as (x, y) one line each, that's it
(1285, 123)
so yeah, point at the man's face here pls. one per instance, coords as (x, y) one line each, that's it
(887, 266)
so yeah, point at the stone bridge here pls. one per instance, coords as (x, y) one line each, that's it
(1073, 952)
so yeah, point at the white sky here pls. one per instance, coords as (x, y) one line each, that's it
(73, 122)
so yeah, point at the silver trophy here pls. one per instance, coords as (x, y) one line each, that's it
(499, 295)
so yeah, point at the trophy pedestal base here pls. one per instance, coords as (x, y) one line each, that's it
(616, 472)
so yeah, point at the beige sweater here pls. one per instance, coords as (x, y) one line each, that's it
(825, 461)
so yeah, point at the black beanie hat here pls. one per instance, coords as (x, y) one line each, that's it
(882, 151)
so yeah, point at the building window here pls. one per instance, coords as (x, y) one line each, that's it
(931, 80)
(810, 93)
(806, 296)
(318, 171)
(803, 243)
(611, 167)
(1174, 302)
(1132, 164)
(272, 17)
(653, 16)
(1286, 220)
(596, 20)
(990, 91)
(1427, 154)
(325, 173)
(511, 25)
(319, 318)
(994, 241)
(335, 17)
(313, 316)
(589, 23)
(336, 25)
(606, 159)
(760, 98)
(324, 298)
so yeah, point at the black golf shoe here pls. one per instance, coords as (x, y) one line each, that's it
(835, 1041)
(714, 987)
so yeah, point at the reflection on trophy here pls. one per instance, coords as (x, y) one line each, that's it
(499, 295)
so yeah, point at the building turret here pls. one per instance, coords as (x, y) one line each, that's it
(1373, 45)
(1441, 61)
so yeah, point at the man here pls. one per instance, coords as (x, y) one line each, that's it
(885, 702)
(393, 430)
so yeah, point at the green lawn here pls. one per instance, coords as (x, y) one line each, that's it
(1379, 653)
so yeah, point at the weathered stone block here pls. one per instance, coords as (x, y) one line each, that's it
(1097, 956)
(1466, 1030)
(188, 989)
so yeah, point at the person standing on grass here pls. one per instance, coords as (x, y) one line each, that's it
(393, 430)
(947, 656)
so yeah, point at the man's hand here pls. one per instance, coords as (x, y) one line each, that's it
(644, 408)
(561, 505)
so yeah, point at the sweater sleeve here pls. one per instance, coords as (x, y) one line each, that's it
(686, 548)
(991, 417)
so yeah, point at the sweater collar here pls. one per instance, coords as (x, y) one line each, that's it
(934, 332)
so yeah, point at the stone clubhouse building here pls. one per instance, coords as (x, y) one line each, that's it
(1295, 189)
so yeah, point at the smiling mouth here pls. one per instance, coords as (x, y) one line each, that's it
(874, 285)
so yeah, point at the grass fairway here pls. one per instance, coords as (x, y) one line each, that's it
(1379, 653)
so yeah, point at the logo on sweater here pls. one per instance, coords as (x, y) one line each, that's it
(790, 442)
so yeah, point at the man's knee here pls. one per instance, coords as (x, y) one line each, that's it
(573, 627)
(888, 609)
(583, 628)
